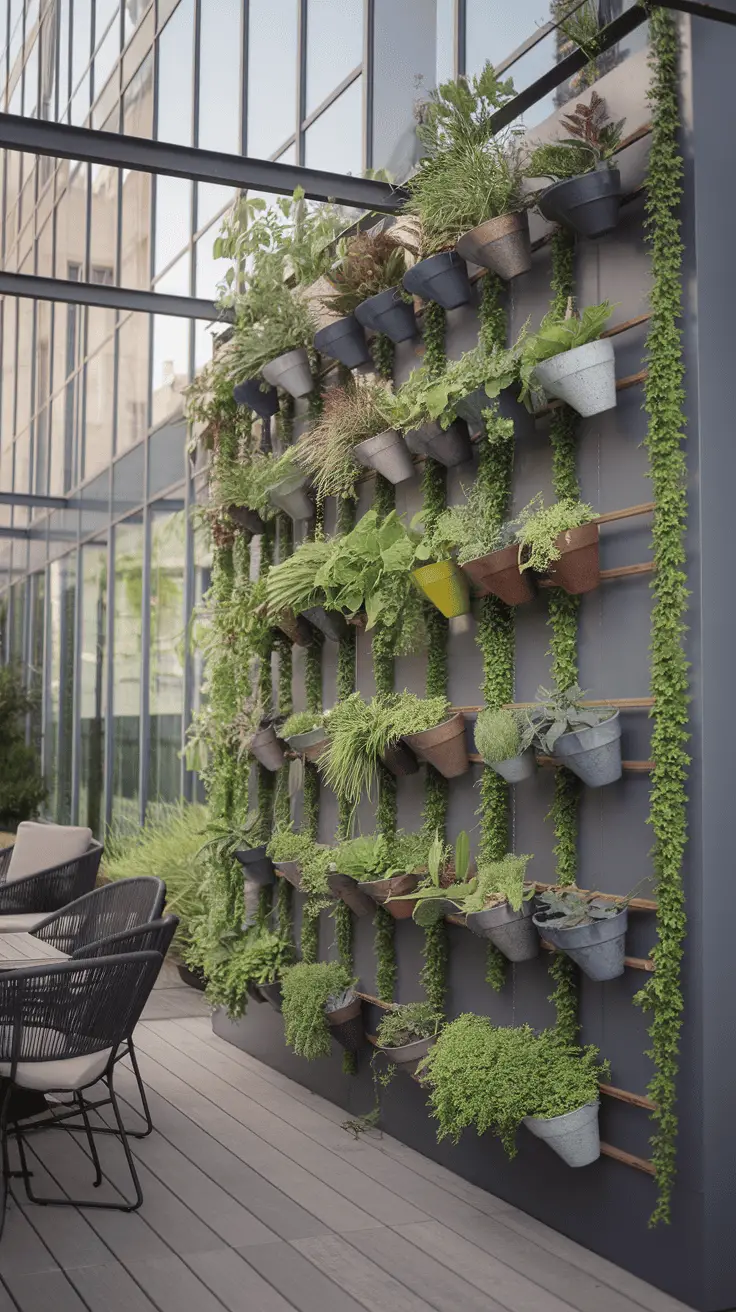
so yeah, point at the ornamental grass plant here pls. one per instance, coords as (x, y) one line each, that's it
(350, 414)
(369, 263)
(407, 1023)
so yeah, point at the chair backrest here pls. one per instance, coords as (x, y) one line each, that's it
(73, 1008)
(41, 846)
(111, 909)
(155, 936)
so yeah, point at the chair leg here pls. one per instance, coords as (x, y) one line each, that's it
(140, 1134)
(79, 1099)
(7, 1094)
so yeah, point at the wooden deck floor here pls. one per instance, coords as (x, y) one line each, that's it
(257, 1201)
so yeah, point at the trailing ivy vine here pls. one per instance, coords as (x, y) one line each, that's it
(664, 399)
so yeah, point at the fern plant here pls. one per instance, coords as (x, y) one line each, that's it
(369, 263)
(593, 140)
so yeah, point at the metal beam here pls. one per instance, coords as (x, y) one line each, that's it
(62, 141)
(699, 10)
(14, 533)
(108, 298)
(32, 500)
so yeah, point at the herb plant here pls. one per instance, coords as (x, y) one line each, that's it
(314, 859)
(500, 881)
(408, 1023)
(265, 958)
(363, 858)
(308, 989)
(369, 263)
(540, 526)
(593, 140)
(501, 735)
(568, 907)
(557, 334)
(369, 569)
(358, 410)
(472, 527)
(292, 583)
(301, 722)
(563, 712)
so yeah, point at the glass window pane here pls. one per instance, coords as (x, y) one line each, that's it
(93, 687)
(17, 626)
(173, 219)
(24, 369)
(30, 83)
(211, 200)
(133, 12)
(176, 76)
(100, 378)
(445, 30)
(60, 675)
(127, 632)
(272, 53)
(334, 46)
(64, 20)
(335, 139)
(81, 38)
(35, 667)
(49, 67)
(136, 220)
(170, 366)
(167, 650)
(106, 57)
(10, 312)
(209, 271)
(71, 220)
(219, 75)
(132, 381)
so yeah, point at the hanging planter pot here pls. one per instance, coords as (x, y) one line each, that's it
(390, 314)
(351, 893)
(445, 585)
(290, 372)
(344, 341)
(267, 749)
(499, 573)
(399, 759)
(593, 754)
(578, 569)
(441, 278)
(589, 203)
(192, 976)
(346, 1025)
(247, 519)
(574, 1137)
(501, 245)
(471, 408)
(295, 627)
(444, 746)
(257, 867)
(329, 622)
(584, 377)
(258, 396)
(271, 993)
(387, 454)
(397, 886)
(291, 871)
(448, 446)
(290, 496)
(598, 948)
(409, 1055)
(516, 768)
(254, 993)
(310, 744)
(512, 932)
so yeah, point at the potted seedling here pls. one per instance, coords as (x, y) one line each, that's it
(319, 1002)
(354, 429)
(257, 864)
(441, 581)
(588, 929)
(560, 542)
(365, 282)
(257, 396)
(262, 961)
(504, 740)
(291, 585)
(395, 871)
(586, 192)
(406, 1034)
(273, 326)
(305, 733)
(440, 740)
(445, 884)
(501, 909)
(585, 739)
(568, 359)
(426, 434)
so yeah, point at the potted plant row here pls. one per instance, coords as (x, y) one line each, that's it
(386, 871)
(364, 284)
(585, 739)
(319, 1003)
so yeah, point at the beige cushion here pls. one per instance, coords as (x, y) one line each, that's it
(23, 923)
(41, 847)
(73, 1073)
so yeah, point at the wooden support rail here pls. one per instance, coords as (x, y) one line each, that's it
(629, 512)
(627, 1159)
(622, 385)
(623, 1095)
(636, 903)
(633, 767)
(634, 963)
(620, 703)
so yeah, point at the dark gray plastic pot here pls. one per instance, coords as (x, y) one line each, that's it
(250, 520)
(409, 1055)
(344, 341)
(387, 454)
(349, 891)
(598, 948)
(575, 1137)
(257, 396)
(589, 203)
(471, 407)
(441, 278)
(399, 759)
(346, 1025)
(512, 932)
(516, 768)
(271, 993)
(291, 372)
(254, 992)
(390, 314)
(289, 495)
(257, 867)
(267, 749)
(594, 754)
(329, 622)
(448, 446)
(310, 744)
(291, 871)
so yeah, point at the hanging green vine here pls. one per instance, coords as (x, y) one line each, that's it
(384, 501)
(382, 349)
(664, 400)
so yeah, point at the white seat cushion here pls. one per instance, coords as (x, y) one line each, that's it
(73, 1073)
(24, 923)
(41, 847)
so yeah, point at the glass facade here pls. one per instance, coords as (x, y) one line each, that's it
(96, 597)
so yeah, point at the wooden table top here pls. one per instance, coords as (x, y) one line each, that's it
(24, 950)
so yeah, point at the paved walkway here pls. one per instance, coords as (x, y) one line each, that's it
(257, 1201)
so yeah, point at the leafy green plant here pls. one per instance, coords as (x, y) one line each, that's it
(430, 896)
(472, 528)
(561, 712)
(22, 788)
(308, 989)
(265, 958)
(501, 734)
(369, 570)
(412, 714)
(568, 907)
(168, 847)
(301, 722)
(428, 395)
(292, 583)
(358, 410)
(539, 526)
(314, 859)
(491, 1078)
(291, 324)
(407, 1023)
(363, 858)
(500, 881)
(557, 334)
(593, 140)
(369, 263)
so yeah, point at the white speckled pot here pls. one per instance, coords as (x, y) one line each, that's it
(574, 1137)
(584, 377)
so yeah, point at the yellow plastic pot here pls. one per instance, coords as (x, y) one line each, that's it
(446, 587)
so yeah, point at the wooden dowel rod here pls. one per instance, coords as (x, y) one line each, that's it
(623, 1095)
(635, 963)
(627, 571)
(622, 385)
(634, 767)
(620, 703)
(376, 1002)
(636, 903)
(624, 327)
(608, 516)
(627, 1159)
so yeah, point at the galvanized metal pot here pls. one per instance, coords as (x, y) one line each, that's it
(500, 244)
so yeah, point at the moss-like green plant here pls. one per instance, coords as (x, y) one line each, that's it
(308, 989)
(540, 526)
(265, 958)
(500, 734)
(407, 1023)
(301, 722)
(314, 859)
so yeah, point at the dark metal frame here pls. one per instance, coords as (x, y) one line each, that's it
(31, 286)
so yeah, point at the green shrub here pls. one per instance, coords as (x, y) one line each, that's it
(314, 859)
(264, 959)
(22, 788)
(500, 735)
(540, 526)
(407, 1023)
(307, 989)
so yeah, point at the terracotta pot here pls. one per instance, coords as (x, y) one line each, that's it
(381, 889)
(499, 573)
(500, 244)
(578, 569)
(347, 1025)
(295, 627)
(399, 760)
(289, 870)
(443, 746)
(351, 893)
(445, 585)
(267, 749)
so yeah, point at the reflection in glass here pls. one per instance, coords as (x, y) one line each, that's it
(202, 551)
(137, 121)
(170, 366)
(173, 219)
(167, 652)
(133, 339)
(272, 47)
(16, 630)
(127, 632)
(211, 200)
(219, 75)
(334, 46)
(93, 687)
(134, 11)
(209, 271)
(35, 655)
(60, 687)
(100, 381)
(176, 76)
(335, 140)
(81, 37)
(24, 370)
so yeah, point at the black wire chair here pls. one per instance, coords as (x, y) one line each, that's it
(50, 889)
(111, 910)
(100, 1001)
